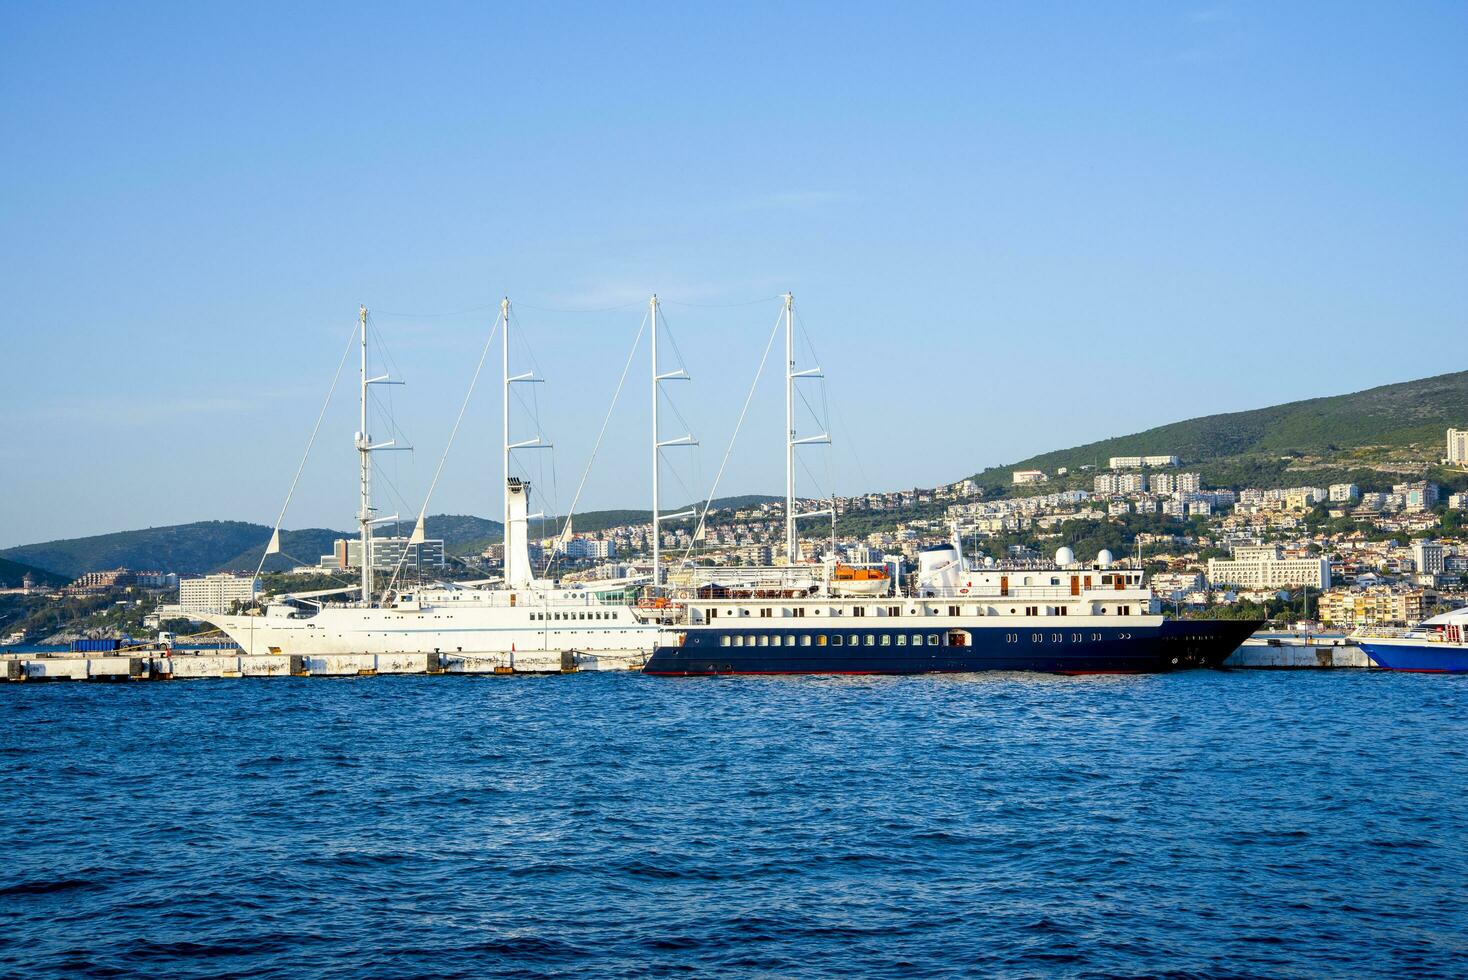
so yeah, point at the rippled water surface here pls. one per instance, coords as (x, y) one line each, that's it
(1241, 823)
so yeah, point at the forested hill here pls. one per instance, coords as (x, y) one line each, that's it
(1397, 415)
(13, 573)
(186, 548)
(209, 546)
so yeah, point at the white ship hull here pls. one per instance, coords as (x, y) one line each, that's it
(521, 630)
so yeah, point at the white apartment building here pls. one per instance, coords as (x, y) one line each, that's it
(1458, 445)
(1137, 462)
(1029, 476)
(1175, 482)
(597, 548)
(1429, 557)
(1344, 493)
(215, 593)
(1418, 495)
(388, 553)
(1263, 567)
(1114, 483)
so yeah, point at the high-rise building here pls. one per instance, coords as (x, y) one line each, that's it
(1458, 445)
(1428, 557)
(215, 593)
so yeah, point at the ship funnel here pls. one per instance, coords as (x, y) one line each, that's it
(938, 568)
(518, 573)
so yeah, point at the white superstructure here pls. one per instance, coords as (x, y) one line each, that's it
(524, 623)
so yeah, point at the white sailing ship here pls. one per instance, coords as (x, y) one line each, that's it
(524, 623)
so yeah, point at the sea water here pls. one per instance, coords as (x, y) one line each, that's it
(1205, 823)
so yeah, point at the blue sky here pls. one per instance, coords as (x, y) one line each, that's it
(1009, 228)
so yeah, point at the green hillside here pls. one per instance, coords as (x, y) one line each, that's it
(13, 573)
(1249, 446)
(303, 547)
(188, 548)
(461, 534)
(210, 546)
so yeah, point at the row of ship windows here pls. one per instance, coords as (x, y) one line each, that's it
(798, 612)
(541, 617)
(835, 640)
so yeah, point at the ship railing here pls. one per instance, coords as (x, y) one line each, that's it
(768, 576)
(502, 600)
(1381, 632)
(1035, 592)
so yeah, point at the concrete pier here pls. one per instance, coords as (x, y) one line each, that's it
(1262, 652)
(1299, 653)
(165, 665)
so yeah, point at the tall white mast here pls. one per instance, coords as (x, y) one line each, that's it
(505, 348)
(657, 449)
(517, 548)
(792, 541)
(658, 445)
(364, 448)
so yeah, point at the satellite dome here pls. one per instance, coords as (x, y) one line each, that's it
(1104, 559)
(1064, 557)
(989, 561)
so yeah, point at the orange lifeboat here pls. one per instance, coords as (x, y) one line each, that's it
(851, 580)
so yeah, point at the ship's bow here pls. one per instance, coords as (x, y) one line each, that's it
(1205, 642)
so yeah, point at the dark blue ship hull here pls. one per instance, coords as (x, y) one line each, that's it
(1420, 658)
(1179, 644)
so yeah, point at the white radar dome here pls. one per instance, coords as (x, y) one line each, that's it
(1065, 557)
(1104, 559)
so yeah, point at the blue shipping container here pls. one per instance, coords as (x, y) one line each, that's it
(94, 646)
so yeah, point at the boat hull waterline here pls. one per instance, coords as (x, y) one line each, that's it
(1132, 649)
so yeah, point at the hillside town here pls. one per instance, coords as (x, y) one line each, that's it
(1340, 554)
